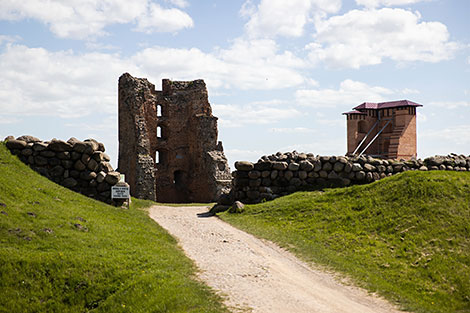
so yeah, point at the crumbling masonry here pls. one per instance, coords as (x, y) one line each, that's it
(168, 145)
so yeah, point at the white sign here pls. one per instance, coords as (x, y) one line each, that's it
(119, 192)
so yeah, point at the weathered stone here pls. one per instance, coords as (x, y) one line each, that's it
(64, 155)
(333, 175)
(27, 152)
(255, 182)
(306, 166)
(39, 146)
(348, 167)
(317, 166)
(87, 175)
(288, 175)
(323, 174)
(263, 166)
(423, 168)
(274, 174)
(92, 165)
(16, 144)
(100, 177)
(57, 171)
(253, 195)
(47, 153)
(338, 167)
(28, 138)
(244, 166)
(369, 176)
(237, 207)
(295, 182)
(381, 168)
(53, 161)
(69, 182)
(303, 175)
(40, 160)
(266, 182)
(293, 167)
(79, 166)
(112, 178)
(280, 166)
(105, 167)
(369, 167)
(360, 175)
(67, 163)
(327, 166)
(104, 186)
(265, 174)
(254, 174)
(59, 145)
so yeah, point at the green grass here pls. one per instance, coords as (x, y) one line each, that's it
(406, 237)
(116, 260)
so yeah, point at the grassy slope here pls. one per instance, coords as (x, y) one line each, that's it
(119, 261)
(407, 236)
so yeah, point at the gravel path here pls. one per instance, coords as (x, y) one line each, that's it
(255, 275)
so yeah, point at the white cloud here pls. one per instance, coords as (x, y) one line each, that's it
(284, 18)
(159, 19)
(247, 64)
(377, 3)
(240, 115)
(88, 19)
(35, 81)
(360, 38)
(349, 94)
(67, 84)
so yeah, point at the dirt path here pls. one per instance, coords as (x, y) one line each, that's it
(256, 275)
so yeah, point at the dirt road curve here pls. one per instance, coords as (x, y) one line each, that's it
(256, 275)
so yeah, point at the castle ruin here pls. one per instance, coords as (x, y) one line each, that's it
(168, 145)
(386, 129)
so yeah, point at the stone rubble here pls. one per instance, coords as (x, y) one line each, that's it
(82, 166)
(284, 173)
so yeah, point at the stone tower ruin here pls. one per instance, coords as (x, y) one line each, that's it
(168, 145)
(386, 129)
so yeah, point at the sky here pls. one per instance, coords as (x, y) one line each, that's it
(279, 73)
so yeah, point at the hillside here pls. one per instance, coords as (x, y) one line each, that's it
(406, 237)
(63, 252)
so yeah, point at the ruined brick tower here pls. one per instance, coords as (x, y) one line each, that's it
(168, 145)
(386, 129)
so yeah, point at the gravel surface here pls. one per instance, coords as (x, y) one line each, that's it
(255, 275)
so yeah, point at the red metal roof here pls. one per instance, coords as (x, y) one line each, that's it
(354, 112)
(386, 105)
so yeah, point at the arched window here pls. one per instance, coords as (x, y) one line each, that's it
(157, 157)
(159, 110)
(159, 132)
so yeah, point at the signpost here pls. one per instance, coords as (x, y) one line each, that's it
(121, 190)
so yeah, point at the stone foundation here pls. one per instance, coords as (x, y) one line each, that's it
(284, 173)
(82, 166)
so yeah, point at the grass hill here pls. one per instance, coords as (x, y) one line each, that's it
(63, 252)
(406, 237)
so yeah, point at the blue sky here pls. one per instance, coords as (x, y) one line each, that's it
(279, 73)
